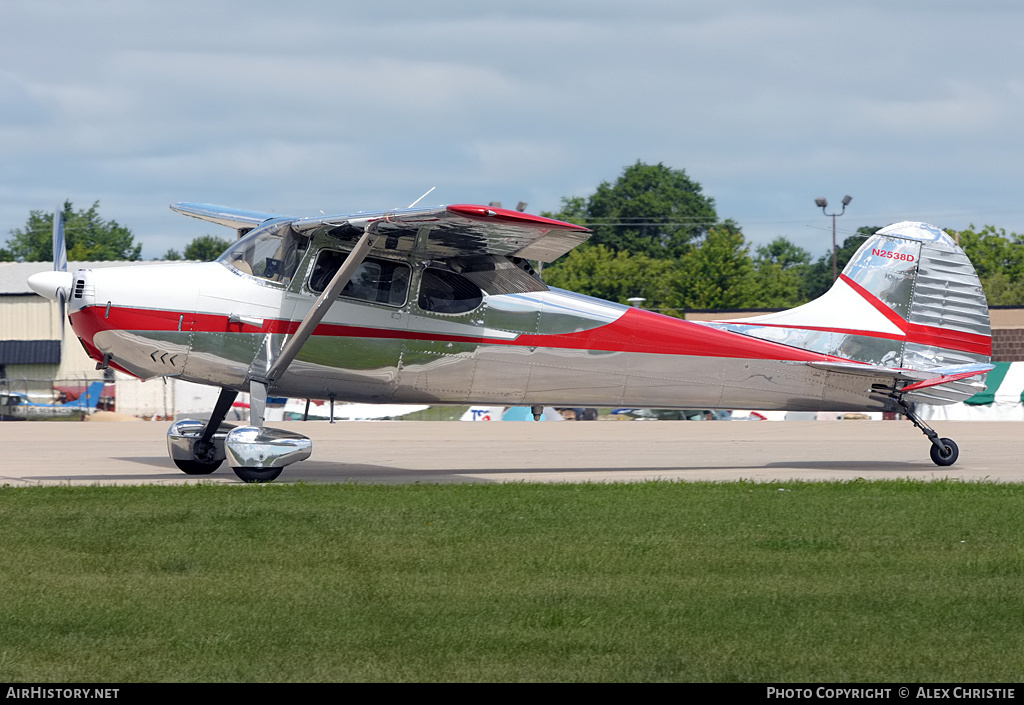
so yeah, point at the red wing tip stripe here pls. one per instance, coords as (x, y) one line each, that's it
(506, 215)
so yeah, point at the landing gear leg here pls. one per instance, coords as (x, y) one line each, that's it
(257, 453)
(944, 451)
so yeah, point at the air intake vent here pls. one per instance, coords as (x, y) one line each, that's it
(79, 288)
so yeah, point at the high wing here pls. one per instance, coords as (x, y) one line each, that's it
(459, 230)
(430, 233)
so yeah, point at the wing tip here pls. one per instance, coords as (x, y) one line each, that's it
(223, 215)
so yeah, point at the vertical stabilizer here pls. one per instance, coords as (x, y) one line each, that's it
(909, 298)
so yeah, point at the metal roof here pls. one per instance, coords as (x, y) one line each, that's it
(29, 352)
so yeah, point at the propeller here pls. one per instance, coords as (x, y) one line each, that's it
(60, 264)
(55, 285)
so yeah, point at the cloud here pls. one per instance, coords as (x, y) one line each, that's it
(318, 105)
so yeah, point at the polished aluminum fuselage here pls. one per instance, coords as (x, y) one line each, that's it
(212, 324)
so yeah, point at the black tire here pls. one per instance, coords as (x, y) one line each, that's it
(196, 467)
(257, 474)
(948, 455)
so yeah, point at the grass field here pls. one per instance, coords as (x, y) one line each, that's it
(861, 581)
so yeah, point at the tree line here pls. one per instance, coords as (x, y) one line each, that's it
(90, 238)
(656, 236)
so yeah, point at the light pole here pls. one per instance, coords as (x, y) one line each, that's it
(822, 204)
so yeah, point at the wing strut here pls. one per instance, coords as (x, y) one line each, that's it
(258, 384)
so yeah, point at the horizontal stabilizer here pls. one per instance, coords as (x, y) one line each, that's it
(945, 384)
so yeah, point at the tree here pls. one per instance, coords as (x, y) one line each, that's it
(999, 260)
(206, 248)
(203, 249)
(783, 253)
(992, 251)
(615, 276)
(718, 273)
(650, 210)
(781, 271)
(818, 276)
(89, 237)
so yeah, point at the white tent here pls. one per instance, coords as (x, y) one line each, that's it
(1002, 401)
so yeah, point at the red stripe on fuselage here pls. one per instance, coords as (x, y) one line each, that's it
(635, 331)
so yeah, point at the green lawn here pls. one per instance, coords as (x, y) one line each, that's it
(860, 581)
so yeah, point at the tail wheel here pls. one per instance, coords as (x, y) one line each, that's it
(947, 454)
(257, 474)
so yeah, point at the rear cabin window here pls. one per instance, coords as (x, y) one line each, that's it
(442, 291)
(377, 280)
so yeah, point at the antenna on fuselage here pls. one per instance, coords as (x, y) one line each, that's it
(421, 197)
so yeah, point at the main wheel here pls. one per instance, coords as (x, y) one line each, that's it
(197, 467)
(947, 455)
(257, 474)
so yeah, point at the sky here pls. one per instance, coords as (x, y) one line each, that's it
(913, 108)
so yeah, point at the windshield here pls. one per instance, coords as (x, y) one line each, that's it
(271, 253)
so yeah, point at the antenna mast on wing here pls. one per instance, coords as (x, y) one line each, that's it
(422, 197)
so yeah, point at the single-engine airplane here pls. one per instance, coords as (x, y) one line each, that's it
(441, 306)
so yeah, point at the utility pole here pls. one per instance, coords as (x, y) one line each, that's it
(823, 204)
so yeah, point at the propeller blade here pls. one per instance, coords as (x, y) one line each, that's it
(60, 264)
(60, 249)
(62, 313)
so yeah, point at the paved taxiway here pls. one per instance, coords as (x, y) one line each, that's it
(46, 453)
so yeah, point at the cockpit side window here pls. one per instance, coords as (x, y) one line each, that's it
(442, 291)
(378, 280)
